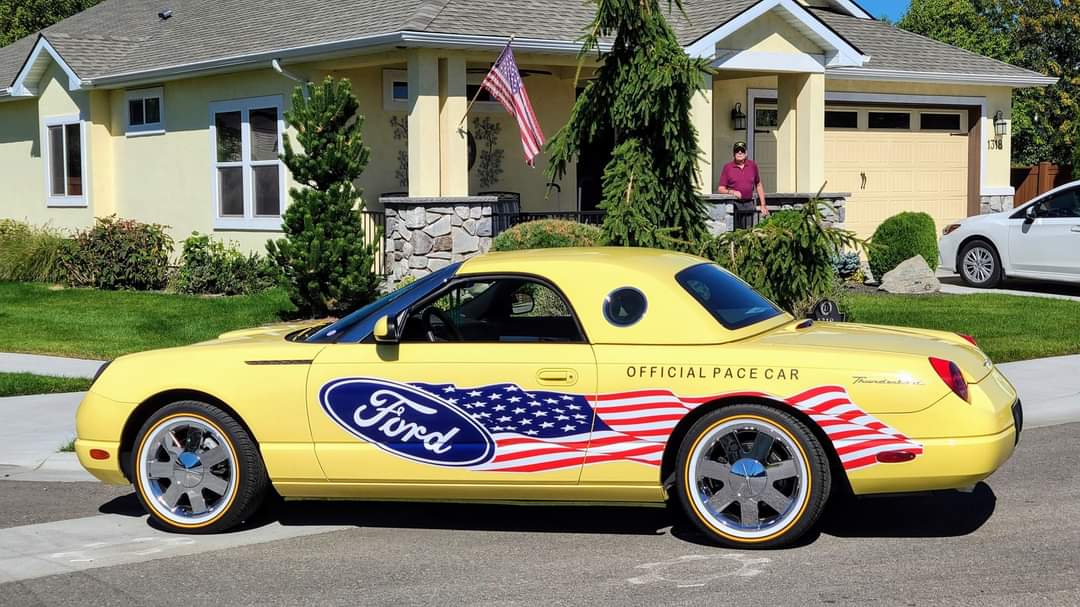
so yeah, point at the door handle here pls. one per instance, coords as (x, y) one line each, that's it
(863, 175)
(556, 377)
(1075, 229)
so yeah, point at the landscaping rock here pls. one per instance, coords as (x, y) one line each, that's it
(913, 276)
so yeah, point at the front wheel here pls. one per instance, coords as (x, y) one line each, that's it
(196, 469)
(980, 266)
(752, 476)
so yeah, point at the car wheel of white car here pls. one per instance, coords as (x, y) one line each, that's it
(752, 476)
(979, 265)
(196, 469)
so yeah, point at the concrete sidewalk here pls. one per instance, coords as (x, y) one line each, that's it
(48, 365)
(952, 284)
(35, 427)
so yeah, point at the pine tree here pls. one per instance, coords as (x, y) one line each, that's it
(327, 265)
(639, 103)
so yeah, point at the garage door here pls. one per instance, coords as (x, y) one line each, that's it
(890, 159)
(894, 160)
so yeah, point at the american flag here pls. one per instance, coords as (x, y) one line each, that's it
(505, 85)
(537, 430)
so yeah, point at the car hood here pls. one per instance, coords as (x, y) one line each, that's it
(274, 332)
(887, 340)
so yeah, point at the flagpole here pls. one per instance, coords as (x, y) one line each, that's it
(478, 91)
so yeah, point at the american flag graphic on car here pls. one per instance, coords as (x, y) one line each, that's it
(502, 427)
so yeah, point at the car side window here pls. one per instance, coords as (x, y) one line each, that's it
(486, 310)
(1063, 205)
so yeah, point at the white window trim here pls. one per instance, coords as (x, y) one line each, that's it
(150, 128)
(390, 104)
(249, 221)
(55, 200)
(960, 115)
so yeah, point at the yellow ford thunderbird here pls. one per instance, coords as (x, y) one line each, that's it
(586, 375)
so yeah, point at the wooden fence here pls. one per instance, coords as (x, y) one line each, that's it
(375, 230)
(1032, 181)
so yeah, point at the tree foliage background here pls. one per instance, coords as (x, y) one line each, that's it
(1041, 35)
(20, 18)
(639, 105)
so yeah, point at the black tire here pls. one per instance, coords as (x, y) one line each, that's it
(243, 473)
(983, 269)
(790, 441)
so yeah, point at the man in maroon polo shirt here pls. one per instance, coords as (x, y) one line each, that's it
(741, 178)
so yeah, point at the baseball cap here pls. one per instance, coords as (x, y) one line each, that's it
(740, 146)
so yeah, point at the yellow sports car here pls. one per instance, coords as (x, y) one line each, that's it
(600, 375)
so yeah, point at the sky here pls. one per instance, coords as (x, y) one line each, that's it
(893, 9)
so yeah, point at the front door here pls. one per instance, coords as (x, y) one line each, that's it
(1050, 244)
(488, 385)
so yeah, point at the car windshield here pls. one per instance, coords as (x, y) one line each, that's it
(335, 330)
(730, 300)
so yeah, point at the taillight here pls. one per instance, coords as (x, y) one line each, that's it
(949, 229)
(951, 375)
(969, 338)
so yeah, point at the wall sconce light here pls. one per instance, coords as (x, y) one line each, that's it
(738, 118)
(1001, 126)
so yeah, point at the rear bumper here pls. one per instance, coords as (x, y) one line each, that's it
(105, 470)
(99, 423)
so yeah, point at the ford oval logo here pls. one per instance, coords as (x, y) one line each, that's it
(407, 421)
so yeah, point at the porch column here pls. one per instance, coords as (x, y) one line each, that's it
(800, 136)
(453, 141)
(101, 165)
(701, 115)
(424, 123)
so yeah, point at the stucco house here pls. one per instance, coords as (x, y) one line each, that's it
(171, 111)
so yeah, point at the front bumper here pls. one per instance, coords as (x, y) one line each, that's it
(99, 423)
(947, 246)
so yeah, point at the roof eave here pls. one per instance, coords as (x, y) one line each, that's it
(1014, 81)
(340, 48)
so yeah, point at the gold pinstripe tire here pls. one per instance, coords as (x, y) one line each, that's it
(752, 476)
(197, 470)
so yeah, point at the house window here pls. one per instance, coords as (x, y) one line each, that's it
(890, 120)
(766, 118)
(145, 112)
(395, 90)
(66, 166)
(836, 119)
(939, 122)
(249, 178)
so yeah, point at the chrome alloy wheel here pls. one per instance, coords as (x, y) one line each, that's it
(978, 264)
(750, 478)
(188, 470)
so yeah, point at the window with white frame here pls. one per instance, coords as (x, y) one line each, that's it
(249, 178)
(145, 111)
(396, 92)
(63, 145)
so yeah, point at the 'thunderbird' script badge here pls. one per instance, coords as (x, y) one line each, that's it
(407, 421)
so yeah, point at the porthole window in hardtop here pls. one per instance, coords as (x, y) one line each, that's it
(730, 300)
(498, 309)
(625, 306)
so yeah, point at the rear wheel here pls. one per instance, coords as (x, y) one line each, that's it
(979, 265)
(752, 476)
(196, 469)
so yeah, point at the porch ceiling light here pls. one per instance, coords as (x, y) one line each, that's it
(738, 118)
(1001, 126)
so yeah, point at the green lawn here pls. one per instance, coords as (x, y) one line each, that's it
(18, 384)
(88, 323)
(1007, 327)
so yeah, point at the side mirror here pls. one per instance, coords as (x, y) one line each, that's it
(1031, 213)
(386, 330)
(523, 303)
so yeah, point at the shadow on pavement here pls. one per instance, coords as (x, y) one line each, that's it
(1020, 284)
(937, 514)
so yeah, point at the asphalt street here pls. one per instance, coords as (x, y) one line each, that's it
(1014, 540)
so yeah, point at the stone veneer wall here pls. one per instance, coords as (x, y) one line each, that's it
(721, 212)
(427, 234)
(995, 204)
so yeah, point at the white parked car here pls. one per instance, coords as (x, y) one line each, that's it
(1039, 240)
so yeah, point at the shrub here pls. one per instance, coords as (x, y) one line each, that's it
(788, 259)
(547, 234)
(325, 258)
(30, 254)
(210, 267)
(846, 264)
(119, 254)
(900, 238)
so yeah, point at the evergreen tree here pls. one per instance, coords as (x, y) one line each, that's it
(327, 265)
(639, 105)
(21, 18)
